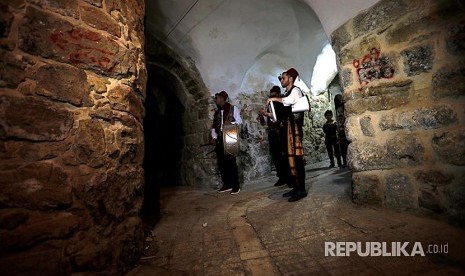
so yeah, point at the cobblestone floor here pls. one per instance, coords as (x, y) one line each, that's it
(257, 232)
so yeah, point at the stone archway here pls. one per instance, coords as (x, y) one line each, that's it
(196, 169)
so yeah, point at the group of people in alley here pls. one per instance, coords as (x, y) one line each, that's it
(285, 136)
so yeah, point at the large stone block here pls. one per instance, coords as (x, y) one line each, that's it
(97, 3)
(44, 259)
(130, 13)
(63, 83)
(449, 82)
(366, 126)
(110, 194)
(378, 16)
(130, 237)
(367, 188)
(425, 23)
(49, 36)
(127, 188)
(455, 196)
(89, 144)
(377, 103)
(97, 83)
(431, 198)
(405, 150)
(346, 77)
(124, 98)
(93, 256)
(399, 87)
(400, 192)
(98, 19)
(33, 119)
(401, 150)
(418, 59)
(358, 51)
(11, 218)
(367, 155)
(431, 183)
(63, 7)
(450, 146)
(423, 118)
(6, 18)
(455, 39)
(434, 177)
(339, 38)
(12, 69)
(38, 228)
(36, 186)
(33, 151)
(352, 128)
(406, 30)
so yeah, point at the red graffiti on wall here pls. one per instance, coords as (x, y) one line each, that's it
(81, 46)
(373, 66)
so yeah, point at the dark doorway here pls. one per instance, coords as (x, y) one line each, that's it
(164, 138)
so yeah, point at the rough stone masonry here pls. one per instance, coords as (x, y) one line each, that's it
(403, 75)
(71, 141)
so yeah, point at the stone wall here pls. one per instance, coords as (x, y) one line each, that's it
(254, 159)
(402, 69)
(71, 140)
(197, 163)
(314, 137)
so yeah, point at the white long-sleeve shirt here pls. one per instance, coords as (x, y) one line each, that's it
(237, 118)
(292, 99)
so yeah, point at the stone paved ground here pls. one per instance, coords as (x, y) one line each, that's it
(259, 233)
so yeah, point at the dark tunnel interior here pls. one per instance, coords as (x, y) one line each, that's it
(163, 135)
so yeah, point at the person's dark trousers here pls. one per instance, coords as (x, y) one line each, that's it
(333, 149)
(285, 170)
(227, 166)
(300, 167)
(344, 145)
(276, 153)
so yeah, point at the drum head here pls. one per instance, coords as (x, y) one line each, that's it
(231, 140)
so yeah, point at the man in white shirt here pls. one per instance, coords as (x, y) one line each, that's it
(294, 125)
(226, 114)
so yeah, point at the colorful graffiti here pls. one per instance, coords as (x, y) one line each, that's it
(373, 66)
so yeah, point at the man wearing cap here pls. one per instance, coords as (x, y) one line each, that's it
(275, 137)
(226, 114)
(293, 123)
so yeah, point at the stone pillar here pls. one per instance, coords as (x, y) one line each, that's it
(71, 139)
(402, 65)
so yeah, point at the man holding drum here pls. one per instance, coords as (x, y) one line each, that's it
(226, 115)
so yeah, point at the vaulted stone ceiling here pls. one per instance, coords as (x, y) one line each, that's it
(241, 46)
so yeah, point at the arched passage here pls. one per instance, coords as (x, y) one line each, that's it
(163, 135)
(175, 126)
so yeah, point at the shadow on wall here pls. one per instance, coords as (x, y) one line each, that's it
(163, 135)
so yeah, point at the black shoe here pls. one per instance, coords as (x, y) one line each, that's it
(331, 166)
(224, 189)
(235, 191)
(344, 165)
(279, 183)
(297, 196)
(290, 193)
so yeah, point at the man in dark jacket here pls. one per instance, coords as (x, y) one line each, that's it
(275, 133)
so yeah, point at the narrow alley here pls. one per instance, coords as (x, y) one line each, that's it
(259, 233)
